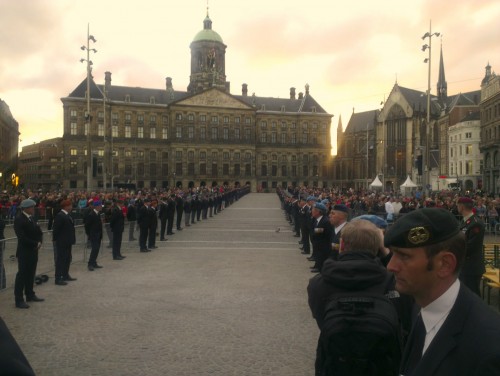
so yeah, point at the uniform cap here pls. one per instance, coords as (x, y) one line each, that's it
(28, 203)
(341, 207)
(320, 207)
(311, 198)
(421, 228)
(376, 220)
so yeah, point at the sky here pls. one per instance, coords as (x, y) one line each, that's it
(351, 53)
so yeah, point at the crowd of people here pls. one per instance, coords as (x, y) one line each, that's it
(102, 214)
(396, 285)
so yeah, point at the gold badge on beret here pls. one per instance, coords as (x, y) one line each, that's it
(418, 235)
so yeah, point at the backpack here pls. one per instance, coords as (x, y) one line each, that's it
(360, 336)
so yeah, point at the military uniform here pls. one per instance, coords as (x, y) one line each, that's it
(473, 267)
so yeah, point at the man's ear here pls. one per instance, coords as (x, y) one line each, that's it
(445, 264)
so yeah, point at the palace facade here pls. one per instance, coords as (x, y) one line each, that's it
(157, 138)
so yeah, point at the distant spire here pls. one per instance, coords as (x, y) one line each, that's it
(339, 127)
(207, 23)
(442, 86)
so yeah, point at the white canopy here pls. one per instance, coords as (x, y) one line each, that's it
(408, 183)
(376, 183)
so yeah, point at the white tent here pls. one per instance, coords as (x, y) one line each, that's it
(408, 186)
(376, 183)
(408, 183)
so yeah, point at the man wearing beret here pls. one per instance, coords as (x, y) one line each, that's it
(321, 236)
(29, 241)
(473, 228)
(338, 219)
(455, 332)
(93, 229)
(63, 236)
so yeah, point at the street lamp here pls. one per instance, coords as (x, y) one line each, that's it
(426, 157)
(88, 118)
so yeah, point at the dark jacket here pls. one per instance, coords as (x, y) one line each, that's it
(28, 234)
(131, 213)
(467, 343)
(12, 359)
(117, 220)
(321, 235)
(143, 216)
(353, 271)
(473, 229)
(63, 231)
(93, 225)
(153, 219)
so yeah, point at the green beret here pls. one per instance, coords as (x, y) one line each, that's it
(421, 228)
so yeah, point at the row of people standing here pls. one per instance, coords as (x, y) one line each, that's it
(431, 258)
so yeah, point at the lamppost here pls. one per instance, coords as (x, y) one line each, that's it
(426, 156)
(88, 118)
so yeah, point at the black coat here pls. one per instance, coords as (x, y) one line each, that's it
(117, 220)
(467, 343)
(28, 233)
(143, 216)
(321, 235)
(93, 225)
(63, 231)
(12, 359)
(474, 232)
(131, 213)
(153, 219)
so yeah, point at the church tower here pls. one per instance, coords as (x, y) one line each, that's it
(208, 60)
(442, 85)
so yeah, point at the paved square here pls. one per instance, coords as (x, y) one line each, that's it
(226, 296)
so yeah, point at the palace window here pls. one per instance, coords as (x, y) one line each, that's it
(152, 132)
(73, 129)
(140, 132)
(128, 131)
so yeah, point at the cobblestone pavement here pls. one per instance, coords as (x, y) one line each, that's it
(226, 296)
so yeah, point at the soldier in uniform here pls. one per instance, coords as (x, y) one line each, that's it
(64, 238)
(29, 241)
(163, 215)
(455, 332)
(321, 236)
(93, 229)
(143, 221)
(117, 225)
(187, 210)
(132, 219)
(171, 214)
(473, 228)
(338, 219)
(179, 208)
(153, 224)
(305, 226)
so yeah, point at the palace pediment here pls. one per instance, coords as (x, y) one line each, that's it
(214, 98)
